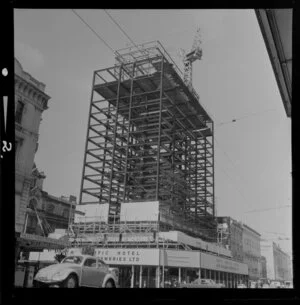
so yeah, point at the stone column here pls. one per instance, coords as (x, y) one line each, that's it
(141, 276)
(157, 277)
(179, 275)
(132, 276)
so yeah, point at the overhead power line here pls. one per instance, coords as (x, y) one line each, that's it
(275, 208)
(117, 24)
(277, 233)
(245, 116)
(124, 32)
(93, 31)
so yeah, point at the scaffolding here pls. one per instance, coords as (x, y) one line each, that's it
(149, 139)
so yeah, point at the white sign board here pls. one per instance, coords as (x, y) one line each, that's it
(93, 212)
(139, 211)
(137, 237)
(214, 262)
(177, 258)
(128, 256)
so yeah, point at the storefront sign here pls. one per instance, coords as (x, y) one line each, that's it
(180, 237)
(128, 256)
(137, 237)
(177, 258)
(214, 262)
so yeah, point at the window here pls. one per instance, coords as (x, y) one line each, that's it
(90, 262)
(100, 262)
(19, 112)
(66, 213)
(50, 208)
(73, 259)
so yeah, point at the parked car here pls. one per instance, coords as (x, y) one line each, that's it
(253, 285)
(241, 286)
(77, 271)
(265, 286)
(275, 284)
(288, 284)
(202, 283)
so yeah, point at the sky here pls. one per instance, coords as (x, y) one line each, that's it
(234, 79)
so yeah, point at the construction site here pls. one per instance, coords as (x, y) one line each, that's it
(147, 190)
(146, 203)
(149, 139)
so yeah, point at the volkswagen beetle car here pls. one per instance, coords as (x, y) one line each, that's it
(77, 271)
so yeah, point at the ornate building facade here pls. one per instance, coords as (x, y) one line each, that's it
(278, 263)
(30, 102)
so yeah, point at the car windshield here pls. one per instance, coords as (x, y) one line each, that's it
(73, 259)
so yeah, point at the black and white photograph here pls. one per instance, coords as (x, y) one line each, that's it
(153, 148)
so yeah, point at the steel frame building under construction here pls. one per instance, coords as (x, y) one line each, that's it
(149, 139)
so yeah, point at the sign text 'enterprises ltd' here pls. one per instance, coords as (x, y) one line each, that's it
(128, 256)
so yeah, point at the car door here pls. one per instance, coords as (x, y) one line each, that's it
(90, 273)
(102, 271)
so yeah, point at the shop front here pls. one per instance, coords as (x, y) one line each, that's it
(150, 268)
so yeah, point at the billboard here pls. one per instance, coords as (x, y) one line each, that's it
(183, 259)
(219, 263)
(140, 211)
(93, 213)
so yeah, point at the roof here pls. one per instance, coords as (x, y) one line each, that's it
(276, 28)
(250, 229)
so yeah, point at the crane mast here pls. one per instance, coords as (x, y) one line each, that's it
(189, 58)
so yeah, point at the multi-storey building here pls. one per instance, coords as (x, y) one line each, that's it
(278, 262)
(252, 253)
(230, 234)
(30, 101)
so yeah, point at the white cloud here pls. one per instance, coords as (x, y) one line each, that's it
(29, 57)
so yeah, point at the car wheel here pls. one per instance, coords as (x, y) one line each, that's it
(71, 281)
(110, 284)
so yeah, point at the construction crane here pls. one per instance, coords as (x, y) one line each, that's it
(189, 58)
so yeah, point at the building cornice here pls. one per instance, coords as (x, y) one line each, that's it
(31, 92)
